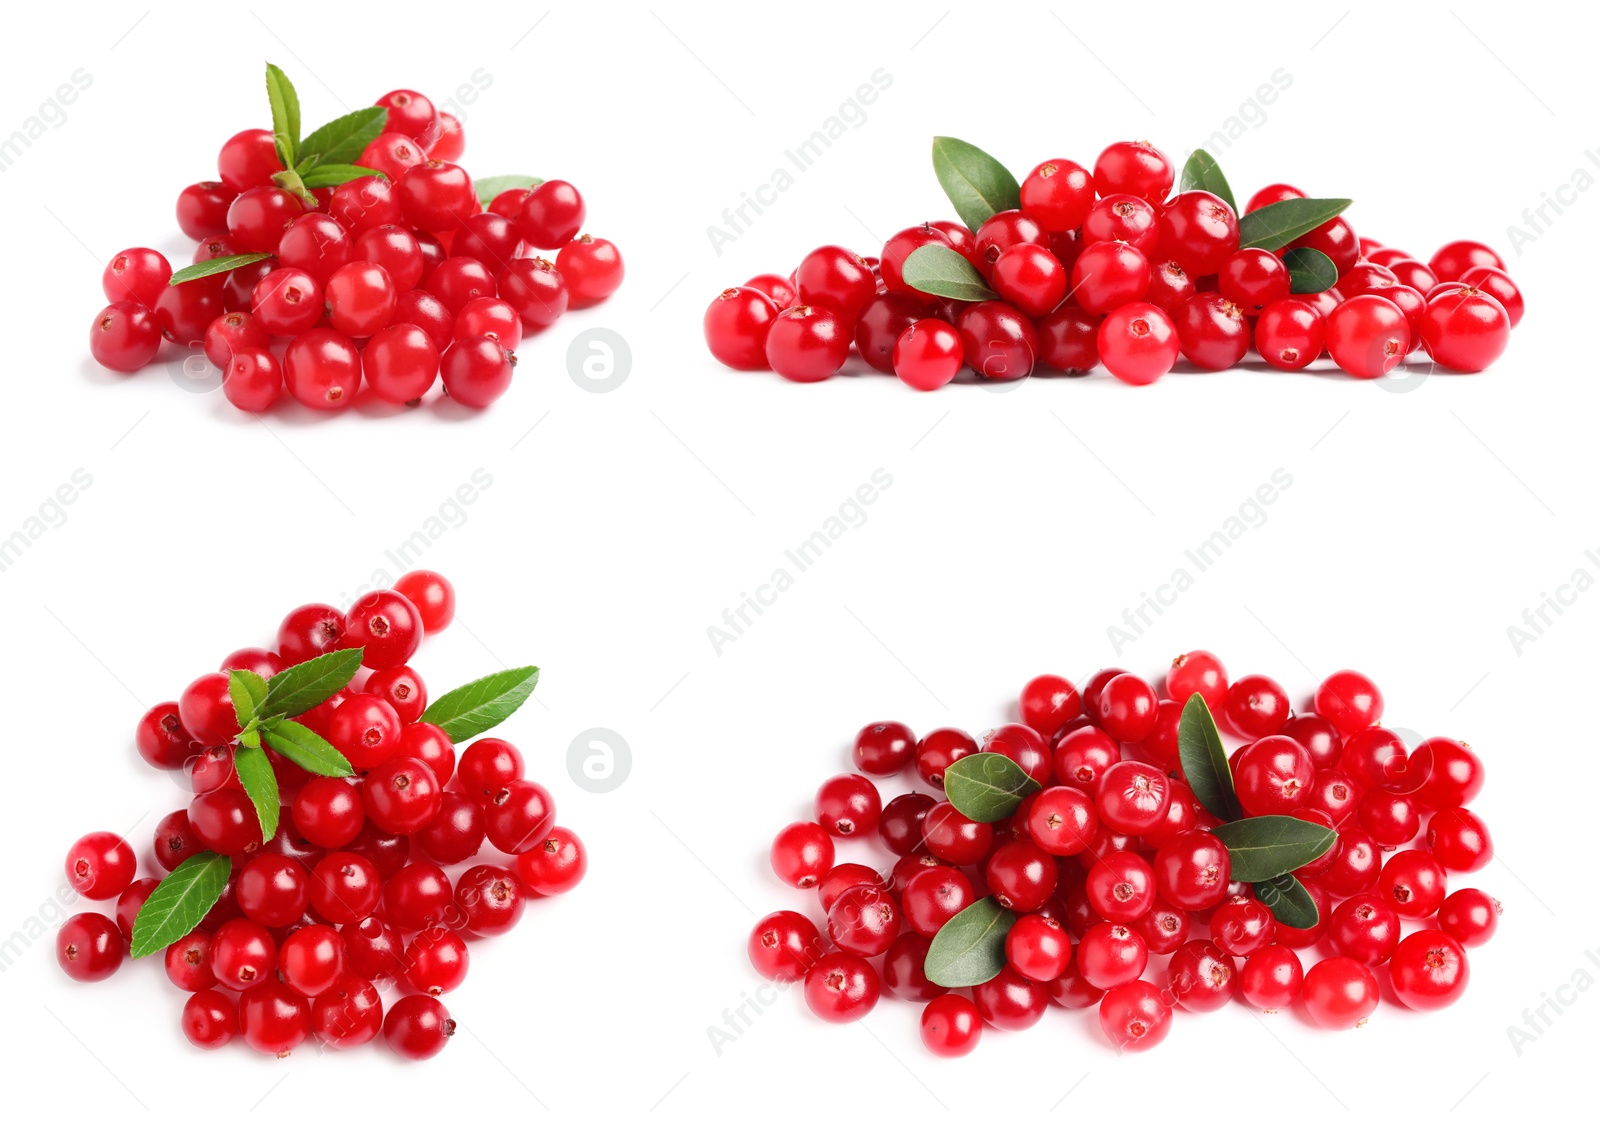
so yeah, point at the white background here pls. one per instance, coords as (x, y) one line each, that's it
(619, 526)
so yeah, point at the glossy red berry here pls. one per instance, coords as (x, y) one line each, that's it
(1273, 775)
(783, 946)
(1132, 797)
(1192, 871)
(1198, 672)
(1243, 926)
(1123, 218)
(1453, 260)
(1340, 993)
(1271, 978)
(551, 215)
(1368, 336)
(322, 370)
(1429, 970)
(210, 1019)
(951, 1025)
(311, 959)
(345, 887)
(807, 343)
(100, 866)
(347, 1013)
(1199, 231)
(1069, 339)
(1470, 915)
(1465, 328)
(1253, 279)
(1350, 700)
(1138, 343)
(1109, 274)
(1459, 840)
(1290, 334)
(884, 748)
(1212, 331)
(1063, 821)
(841, 987)
(1135, 1016)
(1445, 773)
(1111, 954)
(592, 268)
(997, 341)
(736, 326)
(1038, 948)
(1057, 194)
(848, 805)
(243, 954)
(928, 354)
(1413, 883)
(418, 1027)
(90, 947)
(272, 890)
(801, 854)
(1121, 886)
(1009, 1001)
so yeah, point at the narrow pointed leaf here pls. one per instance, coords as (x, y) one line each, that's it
(940, 271)
(285, 115)
(1289, 901)
(1271, 845)
(977, 184)
(216, 265)
(248, 690)
(1310, 270)
(479, 706)
(343, 139)
(491, 185)
(260, 783)
(1201, 173)
(970, 948)
(299, 745)
(1205, 761)
(332, 175)
(292, 691)
(1276, 225)
(180, 902)
(987, 786)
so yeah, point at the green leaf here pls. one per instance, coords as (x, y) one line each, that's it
(479, 706)
(1310, 270)
(940, 271)
(299, 745)
(290, 181)
(343, 139)
(285, 115)
(180, 902)
(491, 186)
(1271, 845)
(1290, 903)
(1201, 173)
(332, 175)
(1205, 761)
(248, 690)
(293, 690)
(216, 265)
(1275, 226)
(260, 783)
(976, 183)
(971, 947)
(987, 786)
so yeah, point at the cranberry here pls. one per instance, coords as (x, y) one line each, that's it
(1454, 260)
(736, 326)
(1192, 870)
(951, 1025)
(1057, 194)
(90, 947)
(1273, 776)
(1495, 282)
(1212, 331)
(347, 1013)
(938, 750)
(592, 268)
(998, 341)
(1429, 970)
(1132, 797)
(884, 748)
(1336, 239)
(210, 1019)
(1138, 343)
(1009, 1001)
(1121, 886)
(1290, 334)
(202, 209)
(551, 215)
(900, 246)
(841, 987)
(1448, 774)
(807, 343)
(1123, 218)
(100, 865)
(345, 887)
(1349, 699)
(1109, 274)
(928, 354)
(1253, 279)
(1135, 1016)
(801, 854)
(1340, 993)
(1464, 328)
(1271, 978)
(1069, 339)
(1083, 756)
(1470, 915)
(1111, 954)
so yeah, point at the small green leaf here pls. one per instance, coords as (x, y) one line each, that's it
(260, 783)
(1201, 173)
(479, 706)
(248, 690)
(1205, 761)
(940, 271)
(1270, 845)
(179, 903)
(216, 265)
(343, 139)
(1276, 225)
(290, 181)
(1290, 903)
(299, 745)
(293, 690)
(987, 786)
(492, 185)
(332, 175)
(977, 184)
(1310, 270)
(971, 947)
(285, 115)
(250, 736)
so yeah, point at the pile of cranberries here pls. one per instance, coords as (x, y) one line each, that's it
(1110, 267)
(362, 885)
(399, 279)
(1118, 893)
